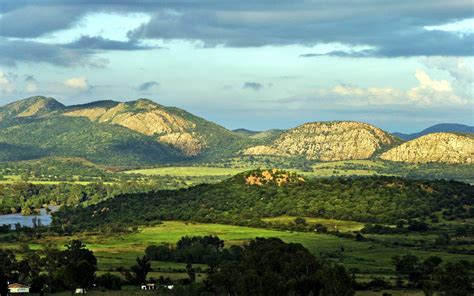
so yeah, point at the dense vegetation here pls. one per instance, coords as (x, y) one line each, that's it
(365, 199)
(79, 137)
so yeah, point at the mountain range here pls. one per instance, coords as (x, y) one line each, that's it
(142, 132)
(438, 128)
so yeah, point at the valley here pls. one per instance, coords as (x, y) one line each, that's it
(127, 177)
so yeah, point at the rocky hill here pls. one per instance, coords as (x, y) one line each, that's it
(109, 132)
(142, 132)
(31, 107)
(435, 147)
(191, 135)
(328, 141)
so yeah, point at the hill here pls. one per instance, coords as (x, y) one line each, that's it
(436, 147)
(78, 137)
(250, 196)
(438, 128)
(139, 132)
(328, 141)
(18, 111)
(191, 135)
(144, 133)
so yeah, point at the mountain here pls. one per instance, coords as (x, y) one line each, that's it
(438, 128)
(142, 132)
(191, 135)
(434, 147)
(108, 132)
(31, 107)
(245, 132)
(328, 141)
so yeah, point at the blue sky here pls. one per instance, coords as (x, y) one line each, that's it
(260, 64)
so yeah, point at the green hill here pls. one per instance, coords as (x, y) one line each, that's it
(250, 196)
(139, 132)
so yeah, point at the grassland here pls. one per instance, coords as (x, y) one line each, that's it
(121, 250)
(191, 171)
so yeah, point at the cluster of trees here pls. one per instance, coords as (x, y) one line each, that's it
(59, 169)
(50, 269)
(365, 199)
(452, 278)
(196, 249)
(264, 266)
(27, 197)
(402, 226)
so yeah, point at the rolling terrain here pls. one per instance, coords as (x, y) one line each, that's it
(144, 133)
(434, 147)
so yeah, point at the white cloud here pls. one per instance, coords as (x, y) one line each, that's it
(430, 91)
(458, 68)
(364, 96)
(79, 83)
(6, 85)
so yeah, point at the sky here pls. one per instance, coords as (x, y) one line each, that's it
(258, 64)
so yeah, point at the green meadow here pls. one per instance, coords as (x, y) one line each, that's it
(366, 258)
(191, 171)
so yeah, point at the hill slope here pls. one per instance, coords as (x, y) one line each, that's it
(78, 137)
(191, 135)
(328, 141)
(36, 106)
(139, 132)
(249, 196)
(436, 147)
(438, 128)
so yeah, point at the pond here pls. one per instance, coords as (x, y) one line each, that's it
(12, 219)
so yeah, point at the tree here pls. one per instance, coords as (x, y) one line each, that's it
(455, 279)
(272, 267)
(109, 281)
(7, 266)
(141, 269)
(191, 272)
(80, 265)
(407, 265)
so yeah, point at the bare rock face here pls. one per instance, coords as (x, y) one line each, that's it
(262, 150)
(436, 147)
(187, 143)
(329, 141)
(149, 119)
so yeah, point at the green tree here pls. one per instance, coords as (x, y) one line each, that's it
(141, 269)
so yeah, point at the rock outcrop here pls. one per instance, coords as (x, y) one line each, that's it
(148, 118)
(437, 147)
(328, 141)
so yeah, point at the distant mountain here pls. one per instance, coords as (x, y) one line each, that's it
(27, 108)
(191, 135)
(434, 147)
(142, 132)
(108, 132)
(328, 141)
(438, 128)
(245, 132)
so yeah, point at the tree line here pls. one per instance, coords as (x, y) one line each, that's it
(364, 199)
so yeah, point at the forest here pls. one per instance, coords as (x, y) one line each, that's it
(233, 201)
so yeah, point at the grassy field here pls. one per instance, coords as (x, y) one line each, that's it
(121, 250)
(191, 171)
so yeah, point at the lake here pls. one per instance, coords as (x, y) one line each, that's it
(12, 219)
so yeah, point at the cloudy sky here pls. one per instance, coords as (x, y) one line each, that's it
(401, 65)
